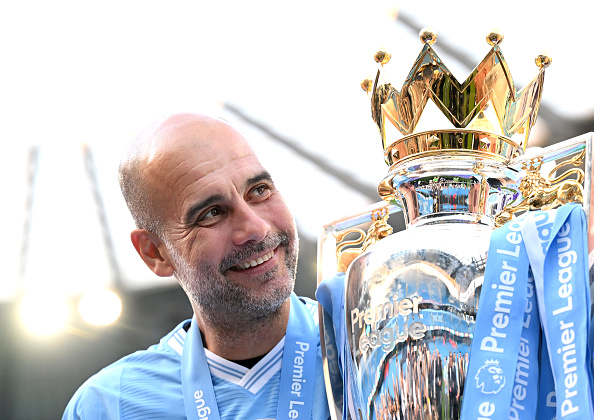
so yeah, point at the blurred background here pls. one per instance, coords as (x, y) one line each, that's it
(80, 78)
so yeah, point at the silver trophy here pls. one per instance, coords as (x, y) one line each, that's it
(411, 297)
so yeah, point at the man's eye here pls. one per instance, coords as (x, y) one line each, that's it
(210, 214)
(261, 191)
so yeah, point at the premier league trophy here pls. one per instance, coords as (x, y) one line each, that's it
(400, 309)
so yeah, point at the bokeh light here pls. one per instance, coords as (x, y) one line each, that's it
(44, 315)
(100, 307)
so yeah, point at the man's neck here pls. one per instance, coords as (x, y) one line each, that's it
(248, 340)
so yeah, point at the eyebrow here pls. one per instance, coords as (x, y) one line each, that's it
(197, 208)
(192, 213)
(263, 176)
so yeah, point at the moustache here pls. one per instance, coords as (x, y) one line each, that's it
(270, 242)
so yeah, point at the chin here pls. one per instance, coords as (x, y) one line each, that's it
(270, 301)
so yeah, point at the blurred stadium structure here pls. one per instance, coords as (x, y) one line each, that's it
(287, 76)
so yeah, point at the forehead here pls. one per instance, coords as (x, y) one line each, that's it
(209, 166)
(189, 162)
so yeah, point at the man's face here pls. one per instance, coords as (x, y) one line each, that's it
(229, 233)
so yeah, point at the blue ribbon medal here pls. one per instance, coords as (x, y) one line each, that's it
(532, 332)
(498, 330)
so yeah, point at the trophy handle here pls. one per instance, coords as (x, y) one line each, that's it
(329, 264)
(562, 150)
(549, 191)
(378, 230)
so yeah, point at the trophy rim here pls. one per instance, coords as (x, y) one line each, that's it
(455, 143)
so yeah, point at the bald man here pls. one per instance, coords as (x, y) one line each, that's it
(208, 213)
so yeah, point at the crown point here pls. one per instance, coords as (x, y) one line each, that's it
(367, 85)
(382, 57)
(543, 60)
(494, 38)
(428, 36)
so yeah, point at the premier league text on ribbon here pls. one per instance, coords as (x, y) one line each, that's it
(566, 258)
(505, 292)
(526, 353)
(202, 409)
(297, 380)
(499, 325)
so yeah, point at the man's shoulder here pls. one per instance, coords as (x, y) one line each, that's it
(156, 358)
(133, 381)
(159, 359)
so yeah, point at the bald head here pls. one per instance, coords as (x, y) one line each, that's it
(163, 153)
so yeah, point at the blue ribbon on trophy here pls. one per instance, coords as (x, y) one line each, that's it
(330, 295)
(508, 375)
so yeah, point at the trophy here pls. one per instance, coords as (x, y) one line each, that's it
(396, 343)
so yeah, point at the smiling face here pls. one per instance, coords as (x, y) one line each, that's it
(229, 234)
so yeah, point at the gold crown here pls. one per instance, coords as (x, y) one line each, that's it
(486, 113)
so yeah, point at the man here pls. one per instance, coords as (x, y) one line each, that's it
(208, 213)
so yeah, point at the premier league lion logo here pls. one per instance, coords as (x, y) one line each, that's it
(489, 378)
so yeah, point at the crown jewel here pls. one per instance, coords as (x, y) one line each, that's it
(486, 113)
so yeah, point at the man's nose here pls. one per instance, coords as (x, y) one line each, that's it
(249, 225)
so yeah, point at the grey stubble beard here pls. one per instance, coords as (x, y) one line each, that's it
(230, 309)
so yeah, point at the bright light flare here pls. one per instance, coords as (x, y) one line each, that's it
(44, 315)
(100, 307)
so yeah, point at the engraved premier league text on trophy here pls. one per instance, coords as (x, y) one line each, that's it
(401, 310)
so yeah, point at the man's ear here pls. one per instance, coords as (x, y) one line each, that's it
(153, 252)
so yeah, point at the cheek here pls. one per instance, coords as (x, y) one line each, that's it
(283, 219)
(205, 248)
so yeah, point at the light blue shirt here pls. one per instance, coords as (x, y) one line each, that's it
(147, 384)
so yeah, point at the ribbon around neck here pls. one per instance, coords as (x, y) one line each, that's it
(298, 370)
